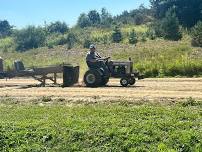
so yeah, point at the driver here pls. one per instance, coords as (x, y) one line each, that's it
(94, 60)
(92, 55)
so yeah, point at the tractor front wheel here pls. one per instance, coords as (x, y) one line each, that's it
(124, 82)
(132, 81)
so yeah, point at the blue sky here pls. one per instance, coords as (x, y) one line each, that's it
(35, 12)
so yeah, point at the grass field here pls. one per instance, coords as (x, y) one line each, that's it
(102, 127)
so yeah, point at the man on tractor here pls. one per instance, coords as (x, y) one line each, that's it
(95, 61)
(101, 69)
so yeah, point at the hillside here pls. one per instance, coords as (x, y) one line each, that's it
(160, 39)
(154, 58)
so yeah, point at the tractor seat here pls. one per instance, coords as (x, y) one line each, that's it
(19, 67)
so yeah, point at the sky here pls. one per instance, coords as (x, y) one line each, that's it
(21, 13)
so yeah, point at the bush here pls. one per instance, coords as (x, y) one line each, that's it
(117, 35)
(143, 37)
(151, 34)
(7, 44)
(71, 40)
(197, 35)
(29, 38)
(133, 39)
(55, 40)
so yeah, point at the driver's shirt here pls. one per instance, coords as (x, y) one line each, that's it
(92, 56)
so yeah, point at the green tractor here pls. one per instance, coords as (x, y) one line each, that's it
(97, 77)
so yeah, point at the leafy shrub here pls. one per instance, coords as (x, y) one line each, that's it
(151, 34)
(29, 38)
(116, 35)
(197, 35)
(55, 40)
(133, 39)
(7, 44)
(71, 40)
(143, 37)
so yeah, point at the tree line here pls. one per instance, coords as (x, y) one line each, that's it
(165, 18)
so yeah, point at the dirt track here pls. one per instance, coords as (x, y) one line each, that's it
(148, 89)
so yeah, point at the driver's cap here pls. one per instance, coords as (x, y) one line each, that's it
(92, 46)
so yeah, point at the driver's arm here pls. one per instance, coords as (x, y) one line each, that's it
(101, 59)
(93, 60)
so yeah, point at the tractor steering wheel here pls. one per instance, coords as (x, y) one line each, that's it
(104, 59)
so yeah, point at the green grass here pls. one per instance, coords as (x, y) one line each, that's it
(102, 127)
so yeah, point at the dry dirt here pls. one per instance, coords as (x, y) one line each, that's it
(165, 89)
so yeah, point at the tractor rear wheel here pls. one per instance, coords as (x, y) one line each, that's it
(124, 82)
(132, 81)
(92, 78)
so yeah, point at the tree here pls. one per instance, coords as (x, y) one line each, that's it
(187, 11)
(5, 28)
(71, 40)
(133, 39)
(29, 38)
(170, 26)
(197, 34)
(138, 16)
(155, 29)
(58, 27)
(106, 18)
(117, 35)
(94, 17)
(83, 21)
(124, 18)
